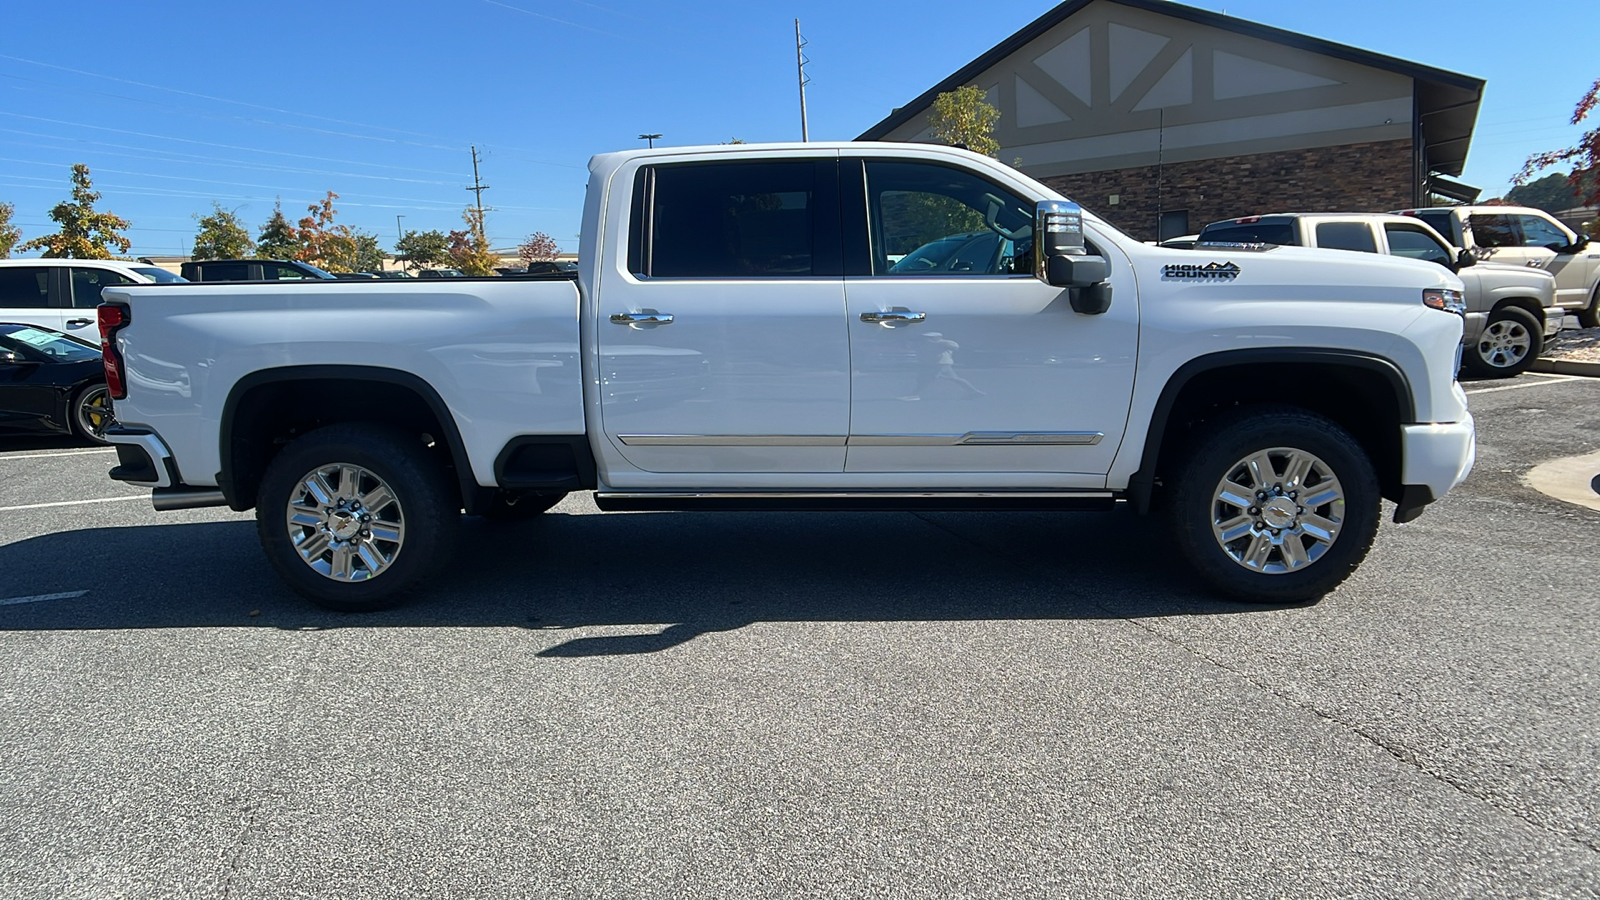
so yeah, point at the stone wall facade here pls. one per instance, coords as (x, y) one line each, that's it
(1375, 177)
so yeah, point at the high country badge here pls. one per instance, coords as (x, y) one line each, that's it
(1207, 272)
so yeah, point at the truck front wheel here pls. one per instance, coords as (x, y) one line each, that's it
(353, 516)
(1275, 505)
(1509, 344)
(1589, 316)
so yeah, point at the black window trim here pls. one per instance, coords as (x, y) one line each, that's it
(827, 250)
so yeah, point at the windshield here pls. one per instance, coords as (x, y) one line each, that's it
(41, 345)
(159, 276)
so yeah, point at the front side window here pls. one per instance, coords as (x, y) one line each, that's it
(24, 287)
(1414, 243)
(731, 220)
(1493, 230)
(281, 272)
(88, 283)
(1346, 236)
(1537, 231)
(929, 219)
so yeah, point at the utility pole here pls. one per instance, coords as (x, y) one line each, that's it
(400, 235)
(478, 187)
(800, 67)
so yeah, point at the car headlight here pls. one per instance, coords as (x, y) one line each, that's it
(1445, 299)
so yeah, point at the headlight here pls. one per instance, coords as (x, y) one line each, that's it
(1447, 300)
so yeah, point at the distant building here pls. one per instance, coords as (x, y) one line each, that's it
(1162, 117)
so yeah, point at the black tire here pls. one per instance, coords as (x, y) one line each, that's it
(509, 506)
(84, 417)
(1589, 316)
(427, 506)
(1221, 445)
(1490, 356)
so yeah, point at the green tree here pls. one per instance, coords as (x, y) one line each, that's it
(423, 249)
(277, 238)
(1552, 193)
(222, 235)
(470, 249)
(84, 234)
(965, 118)
(1584, 155)
(357, 251)
(538, 247)
(9, 233)
(322, 242)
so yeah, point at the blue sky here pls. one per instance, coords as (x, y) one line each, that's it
(176, 104)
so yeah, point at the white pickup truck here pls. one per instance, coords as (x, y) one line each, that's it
(810, 326)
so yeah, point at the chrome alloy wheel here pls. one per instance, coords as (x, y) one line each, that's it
(1504, 343)
(94, 413)
(1277, 511)
(345, 522)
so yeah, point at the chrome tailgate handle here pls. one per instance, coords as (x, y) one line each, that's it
(641, 319)
(893, 318)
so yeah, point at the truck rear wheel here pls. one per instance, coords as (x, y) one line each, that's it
(1589, 316)
(1509, 344)
(1275, 505)
(353, 516)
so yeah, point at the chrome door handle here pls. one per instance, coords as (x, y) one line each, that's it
(893, 319)
(78, 323)
(641, 319)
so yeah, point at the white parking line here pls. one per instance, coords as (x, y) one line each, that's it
(1554, 379)
(40, 598)
(53, 455)
(74, 502)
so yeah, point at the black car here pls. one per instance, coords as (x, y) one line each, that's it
(52, 384)
(253, 270)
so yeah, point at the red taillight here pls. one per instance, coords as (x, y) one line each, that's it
(113, 318)
(1410, 212)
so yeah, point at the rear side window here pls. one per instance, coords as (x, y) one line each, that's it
(24, 287)
(1414, 243)
(731, 220)
(1346, 236)
(88, 283)
(1440, 222)
(1281, 233)
(1490, 230)
(225, 272)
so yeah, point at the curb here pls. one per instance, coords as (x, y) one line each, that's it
(1566, 367)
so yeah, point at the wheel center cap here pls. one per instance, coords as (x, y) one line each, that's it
(1280, 512)
(343, 524)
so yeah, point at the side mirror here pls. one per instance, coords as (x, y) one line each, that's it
(1062, 260)
(1577, 246)
(1465, 258)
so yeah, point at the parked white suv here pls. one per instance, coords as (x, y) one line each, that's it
(61, 294)
(1521, 236)
(1510, 310)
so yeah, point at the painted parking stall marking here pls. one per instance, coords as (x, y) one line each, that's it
(54, 455)
(41, 598)
(73, 502)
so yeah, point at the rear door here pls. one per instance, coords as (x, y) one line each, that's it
(721, 337)
(1542, 244)
(32, 295)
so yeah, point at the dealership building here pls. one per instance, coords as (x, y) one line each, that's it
(1162, 118)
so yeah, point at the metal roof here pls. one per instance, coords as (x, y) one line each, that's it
(1447, 102)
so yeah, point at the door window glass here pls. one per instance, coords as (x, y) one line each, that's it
(935, 220)
(1414, 243)
(24, 287)
(1493, 231)
(1346, 236)
(280, 272)
(1538, 231)
(225, 272)
(88, 283)
(732, 220)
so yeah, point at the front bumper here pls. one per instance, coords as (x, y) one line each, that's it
(1434, 459)
(1552, 320)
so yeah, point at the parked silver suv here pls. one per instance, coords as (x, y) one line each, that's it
(1510, 309)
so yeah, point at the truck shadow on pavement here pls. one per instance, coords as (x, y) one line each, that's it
(691, 573)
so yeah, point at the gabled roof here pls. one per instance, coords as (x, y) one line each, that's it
(1447, 102)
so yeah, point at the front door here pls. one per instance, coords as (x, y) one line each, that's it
(963, 361)
(723, 348)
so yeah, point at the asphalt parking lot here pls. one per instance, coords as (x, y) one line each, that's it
(812, 705)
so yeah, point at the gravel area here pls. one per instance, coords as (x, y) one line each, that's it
(1582, 345)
